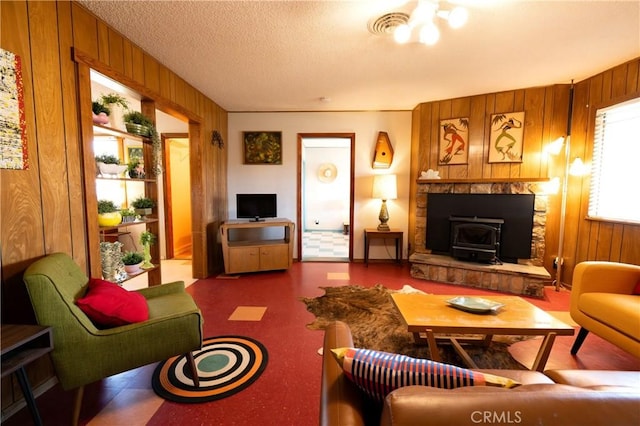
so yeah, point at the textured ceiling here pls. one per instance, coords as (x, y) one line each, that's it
(289, 55)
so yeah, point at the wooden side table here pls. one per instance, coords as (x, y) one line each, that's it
(22, 344)
(373, 233)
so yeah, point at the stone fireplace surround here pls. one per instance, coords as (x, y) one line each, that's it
(528, 277)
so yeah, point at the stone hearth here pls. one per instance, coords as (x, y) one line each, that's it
(526, 280)
(528, 277)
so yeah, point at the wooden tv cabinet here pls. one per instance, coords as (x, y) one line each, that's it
(245, 248)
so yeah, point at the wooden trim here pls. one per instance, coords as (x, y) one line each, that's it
(89, 167)
(301, 136)
(168, 200)
(161, 103)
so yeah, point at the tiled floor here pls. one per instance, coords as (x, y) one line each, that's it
(325, 245)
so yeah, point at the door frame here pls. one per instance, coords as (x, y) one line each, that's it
(301, 136)
(166, 184)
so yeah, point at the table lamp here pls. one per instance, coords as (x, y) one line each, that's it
(385, 187)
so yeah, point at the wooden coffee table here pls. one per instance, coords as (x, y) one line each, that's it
(428, 317)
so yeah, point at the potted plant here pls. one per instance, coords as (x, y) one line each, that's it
(100, 113)
(137, 123)
(118, 105)
(109, 165)
(128, 215)
(146, 239)
(114, 99)
(141, 125)
(135, 169)
(132, 261)
(108, 213)
(143, 205)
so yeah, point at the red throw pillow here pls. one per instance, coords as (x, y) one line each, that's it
(108, 304)
(636, 289)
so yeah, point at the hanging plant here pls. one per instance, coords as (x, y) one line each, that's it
(156, 167)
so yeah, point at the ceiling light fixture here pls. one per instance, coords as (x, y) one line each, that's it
(423, 19)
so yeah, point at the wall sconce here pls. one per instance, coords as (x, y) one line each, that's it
(383, 156)
(216, 139)
(385, 187)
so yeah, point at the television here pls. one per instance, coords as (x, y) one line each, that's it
(256, 207)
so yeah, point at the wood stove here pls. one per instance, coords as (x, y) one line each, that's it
(475, 238)
(515, 211)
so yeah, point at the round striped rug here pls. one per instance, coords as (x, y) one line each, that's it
(226, 365)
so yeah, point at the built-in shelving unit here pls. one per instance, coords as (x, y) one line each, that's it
(121, 189)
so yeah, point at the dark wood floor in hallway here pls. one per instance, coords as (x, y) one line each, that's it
(288, 391)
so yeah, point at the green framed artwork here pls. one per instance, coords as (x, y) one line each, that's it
(134, 153)
(262, 147)
(506, 137)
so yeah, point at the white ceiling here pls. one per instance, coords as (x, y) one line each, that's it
(288, 55)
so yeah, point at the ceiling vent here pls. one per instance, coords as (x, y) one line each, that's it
(386, 24)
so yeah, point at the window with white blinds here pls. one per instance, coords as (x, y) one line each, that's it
(615, 178)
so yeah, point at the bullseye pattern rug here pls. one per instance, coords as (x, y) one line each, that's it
(226, 365)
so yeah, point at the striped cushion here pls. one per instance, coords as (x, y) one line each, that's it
(378, 373)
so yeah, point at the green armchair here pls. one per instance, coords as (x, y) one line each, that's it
(82, 352)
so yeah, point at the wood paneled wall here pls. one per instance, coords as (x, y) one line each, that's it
(546, 111)
(42, 208)
(587, 239)
(546, 118)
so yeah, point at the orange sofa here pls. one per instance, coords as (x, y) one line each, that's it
(602, 302)
(555, 398)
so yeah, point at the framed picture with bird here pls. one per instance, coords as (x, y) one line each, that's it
(454, 141)
(507, 130)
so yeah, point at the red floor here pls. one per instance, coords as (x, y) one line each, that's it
(288, 391)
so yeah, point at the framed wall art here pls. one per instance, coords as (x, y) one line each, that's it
(13, 126)
(454, 138)
(506, 137)
(134, 153)
(262, 147)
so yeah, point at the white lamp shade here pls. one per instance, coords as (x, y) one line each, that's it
(385, 187)
(578, 168)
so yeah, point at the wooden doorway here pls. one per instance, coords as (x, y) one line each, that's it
(177, 195)
(325, 181)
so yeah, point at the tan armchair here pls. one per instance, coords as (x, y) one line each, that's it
(602, 302)
(83, 353)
